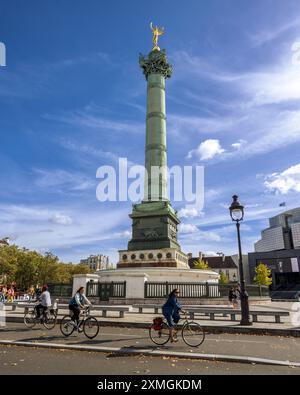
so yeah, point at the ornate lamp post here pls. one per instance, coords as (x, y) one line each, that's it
(237, 215)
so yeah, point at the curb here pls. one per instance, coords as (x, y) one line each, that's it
(208, 328)
(158, 353)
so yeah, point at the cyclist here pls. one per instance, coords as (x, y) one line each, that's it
(171, 311)
(76, 303)
(45, 302)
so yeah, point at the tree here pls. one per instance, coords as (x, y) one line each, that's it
(80, 269)
(29, 268)
(223, 278)
(8, 262)
(26, 273)
(48, 268)
(262, 275)
(201, 265)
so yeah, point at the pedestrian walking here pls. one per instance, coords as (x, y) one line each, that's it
(232, 297)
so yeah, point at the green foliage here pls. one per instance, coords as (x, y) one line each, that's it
(223, 278)
(262, 275)
(201, 265)
(29, 268)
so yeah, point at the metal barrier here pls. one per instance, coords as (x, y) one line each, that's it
(60, 289)
(106, 290)
(198, 290)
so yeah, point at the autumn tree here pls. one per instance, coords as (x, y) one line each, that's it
(262, 275)
(201, 265)
(223, 278)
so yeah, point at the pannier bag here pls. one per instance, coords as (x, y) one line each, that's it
(157, 322)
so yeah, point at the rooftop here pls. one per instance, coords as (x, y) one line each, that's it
(215, 262)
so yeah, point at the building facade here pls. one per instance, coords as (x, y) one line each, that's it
(225, 264)
(279, 249)
(97, 262)
(282, 234)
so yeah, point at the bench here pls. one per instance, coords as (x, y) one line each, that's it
(213, 312)
(276, 314)
(105, 308)
(140, 307)
(233, 313)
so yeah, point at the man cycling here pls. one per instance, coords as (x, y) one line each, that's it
(45, 302)
(76, 303)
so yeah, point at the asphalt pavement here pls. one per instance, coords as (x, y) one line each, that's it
(24, 360)
(113, 338)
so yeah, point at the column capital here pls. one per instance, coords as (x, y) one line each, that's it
(155, 63)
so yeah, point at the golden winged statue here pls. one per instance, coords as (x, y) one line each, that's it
(156, 32)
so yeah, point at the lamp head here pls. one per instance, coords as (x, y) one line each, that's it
(236, 210)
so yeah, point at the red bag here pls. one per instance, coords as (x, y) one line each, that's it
(157, 323)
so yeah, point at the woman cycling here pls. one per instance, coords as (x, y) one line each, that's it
(76, 303)
(171, 312)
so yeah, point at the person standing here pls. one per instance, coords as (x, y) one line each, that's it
(31, 293)
(231, 296)
(11, 294)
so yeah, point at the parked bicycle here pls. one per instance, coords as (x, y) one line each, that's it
(47, 319)
(88, 324)
(192, 333)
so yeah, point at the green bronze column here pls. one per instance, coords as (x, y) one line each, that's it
(156, 70)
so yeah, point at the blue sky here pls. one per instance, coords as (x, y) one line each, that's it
(72, 98)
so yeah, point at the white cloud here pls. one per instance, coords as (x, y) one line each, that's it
(208, 149)
(284, 182)
(88, 151)
(266, 36)
(213, 124)
(210, 236)
(61, 219)
(63, 180)
(263, 103)
(33, 228)
(210, 253)
(93, 120)
(238, 145)
(123, 235)
(187, 228)
(188, 213)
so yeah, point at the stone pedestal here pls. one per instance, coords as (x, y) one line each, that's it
(136, 277)
(164, 257)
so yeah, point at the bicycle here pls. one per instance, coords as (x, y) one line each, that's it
(89, 324)
(47, 319)
(192, 333)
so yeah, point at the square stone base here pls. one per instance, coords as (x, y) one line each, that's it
(164, 257)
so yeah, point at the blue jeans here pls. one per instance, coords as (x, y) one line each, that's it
(171, 317)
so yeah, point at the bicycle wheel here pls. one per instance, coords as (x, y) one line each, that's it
(91, 327)
(161, 336)
(49, 321)
(67, 326)
(30, 319)
(193, 334)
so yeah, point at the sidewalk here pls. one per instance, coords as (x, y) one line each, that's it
(136, 320)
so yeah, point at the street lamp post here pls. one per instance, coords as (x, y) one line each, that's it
(237, 215)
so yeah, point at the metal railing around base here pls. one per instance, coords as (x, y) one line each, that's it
(198, 290)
